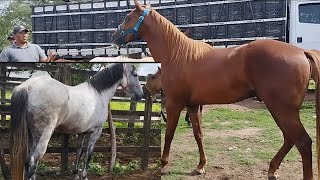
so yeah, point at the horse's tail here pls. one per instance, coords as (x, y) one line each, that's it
(19, 136)
(314, 57)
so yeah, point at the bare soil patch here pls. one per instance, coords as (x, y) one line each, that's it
(241, 133)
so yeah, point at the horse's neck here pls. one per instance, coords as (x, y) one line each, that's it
(167, 43)
(157, 37)
(107, 94)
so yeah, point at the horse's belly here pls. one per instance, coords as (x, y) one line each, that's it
(82, 121)
(76, 127)
(221, 96)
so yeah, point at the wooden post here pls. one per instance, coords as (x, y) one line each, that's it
(133, 107)
(113, 153)
(4, 168)
(64, 75)
(146, 133)
(64, 154)
(3, 92)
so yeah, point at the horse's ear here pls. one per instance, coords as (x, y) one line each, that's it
(148, 6)
(136, 3)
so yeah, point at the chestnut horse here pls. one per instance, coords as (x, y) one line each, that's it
(195, 73)
(153, 86)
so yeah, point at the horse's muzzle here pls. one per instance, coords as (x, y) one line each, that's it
(137, 97)
(116, 38)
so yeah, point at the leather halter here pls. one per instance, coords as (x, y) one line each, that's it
(134, 30)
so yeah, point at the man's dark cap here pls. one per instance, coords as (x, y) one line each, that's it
(19, 29)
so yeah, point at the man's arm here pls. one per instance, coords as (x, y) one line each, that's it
(50, 58)
(4, 56)
(43, 57)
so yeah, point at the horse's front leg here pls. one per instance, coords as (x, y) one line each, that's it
(92, 142)
(173, 112)
(81, 138)
(195, 115)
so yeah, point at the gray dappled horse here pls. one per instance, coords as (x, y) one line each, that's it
(42, 104)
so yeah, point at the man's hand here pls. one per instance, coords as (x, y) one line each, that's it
(52, 56)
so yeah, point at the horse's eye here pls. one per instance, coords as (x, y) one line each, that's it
(135, 74)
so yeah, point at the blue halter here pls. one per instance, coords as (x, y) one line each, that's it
(133, 30)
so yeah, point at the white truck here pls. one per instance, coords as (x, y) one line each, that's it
(304, 23)
(79, 27)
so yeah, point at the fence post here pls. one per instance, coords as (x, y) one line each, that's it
(4, 168)
(3, 92)
(113, 153)
(146, 133)
(133, 107)
(64, 75)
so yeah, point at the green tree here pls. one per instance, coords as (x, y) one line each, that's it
(18, 12)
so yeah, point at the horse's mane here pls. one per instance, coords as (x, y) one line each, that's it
(183, 49)
(107, 77)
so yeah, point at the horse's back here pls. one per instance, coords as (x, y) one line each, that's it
(45, 91)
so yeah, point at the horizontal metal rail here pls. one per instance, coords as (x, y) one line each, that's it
(128, 10)
(144, 43)
(179, 26)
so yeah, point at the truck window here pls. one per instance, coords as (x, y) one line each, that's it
(309, 13)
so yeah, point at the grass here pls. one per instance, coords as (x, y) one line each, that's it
(123, 169)
(238, 152)
(156, 107)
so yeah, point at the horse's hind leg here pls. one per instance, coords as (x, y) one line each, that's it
(92, 141)
(79, 153)
(40, 140)
(195, 115)
(289, 122)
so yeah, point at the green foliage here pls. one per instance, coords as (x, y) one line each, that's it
(17, 12)
(76, 79)
(95, 164)
(132, 166)
(42, 168)
(97, 168)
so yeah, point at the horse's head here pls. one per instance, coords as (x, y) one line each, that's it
(130, 82)
(153, 85)
(129, 30)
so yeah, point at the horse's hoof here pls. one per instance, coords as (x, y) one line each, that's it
(274, 176)
(197, 172)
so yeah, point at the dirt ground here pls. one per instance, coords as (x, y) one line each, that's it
(220, 166)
